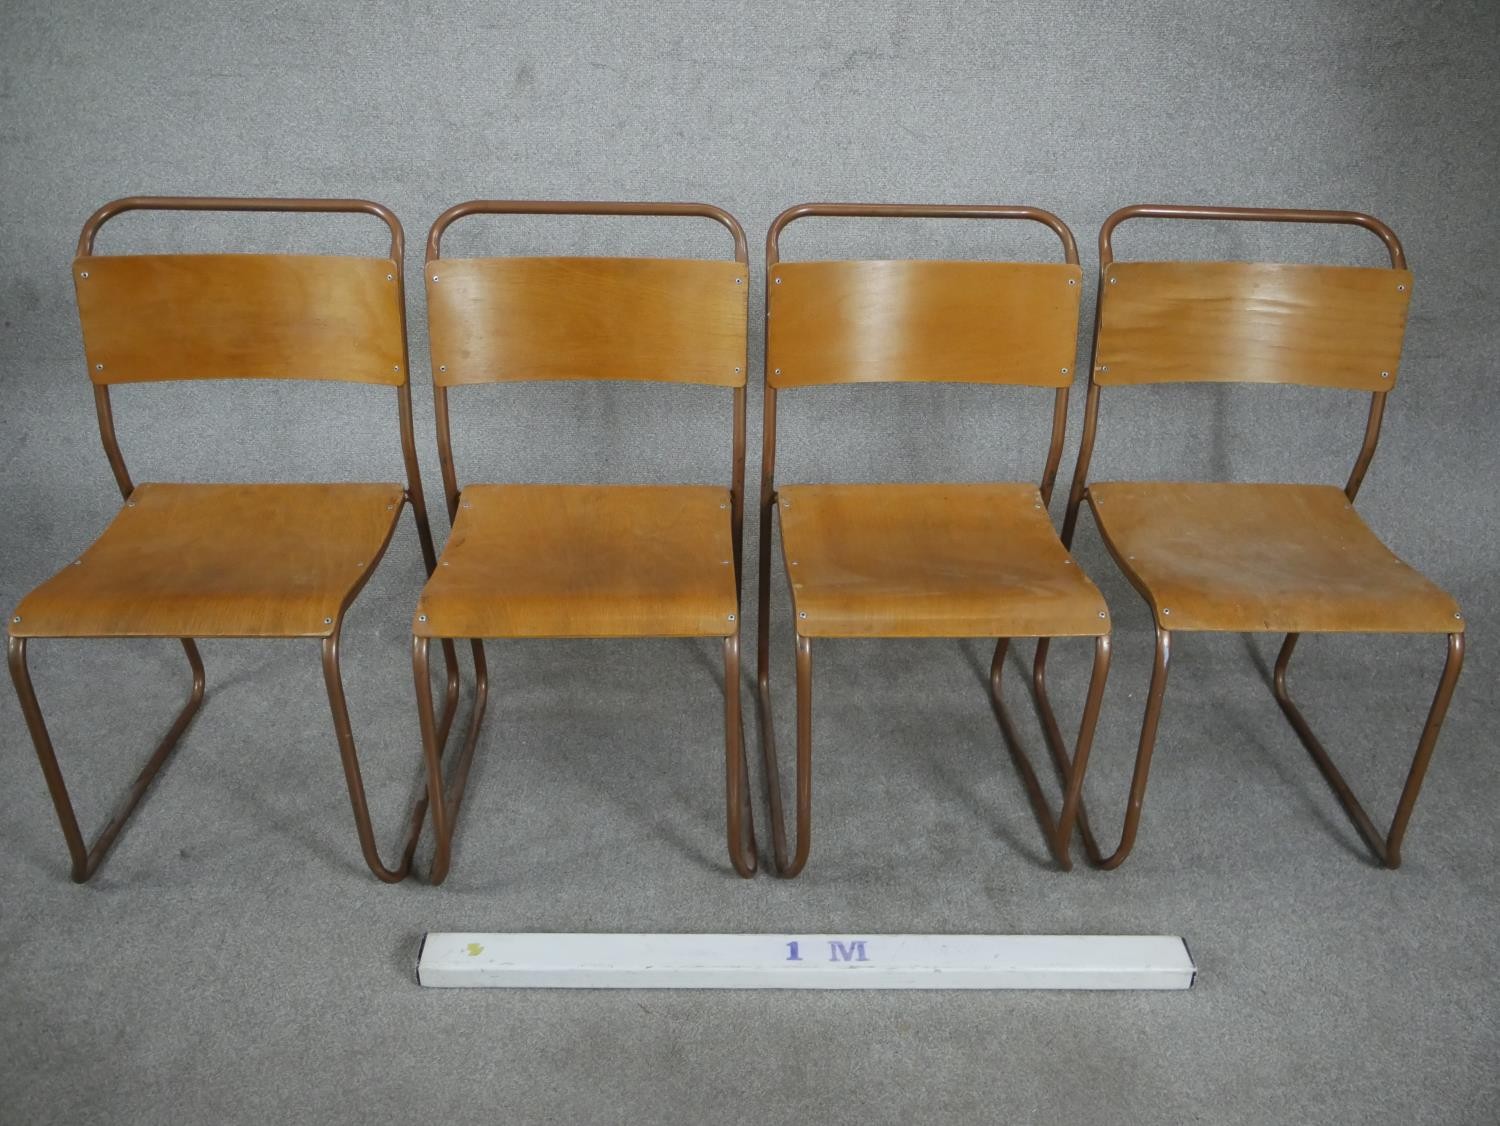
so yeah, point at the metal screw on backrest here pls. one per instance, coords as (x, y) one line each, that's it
(328, 621)
(1065, 371)
(739, 281)
(421, 617)
(1385, 375)
(84, 274)
(98, 367)
(390, 277)
(1399, 288)
(1072, 281)
(778, 281)
(434, 277)
(442, 367)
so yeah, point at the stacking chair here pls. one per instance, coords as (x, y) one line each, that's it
(599, 561)
(921, 560)
(1239, 558)
(187, 561)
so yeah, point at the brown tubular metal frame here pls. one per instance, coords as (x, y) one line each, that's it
(740, 826)
(86, 858)
(1387, 849)
(1058, 832)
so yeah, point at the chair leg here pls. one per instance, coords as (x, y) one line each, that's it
(1387, 849)
(334, 681)
(1059, 834)
(739, 818)
(450, 687)
(1147, 745)
(85, 858)
(804, 761)
(434, 745)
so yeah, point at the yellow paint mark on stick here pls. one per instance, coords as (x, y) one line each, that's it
(475, 950)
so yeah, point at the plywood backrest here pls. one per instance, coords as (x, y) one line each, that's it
(1251, 322)
(152, 317)
(672, 320)
(922, 321)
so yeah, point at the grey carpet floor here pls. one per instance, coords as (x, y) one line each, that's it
(234, 962)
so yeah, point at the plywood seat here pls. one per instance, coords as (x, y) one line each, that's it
(585, 561)
(1244, 558)
(949, 560)
(180, 560)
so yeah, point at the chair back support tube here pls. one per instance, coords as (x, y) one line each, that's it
(183, 316)
(922, 321)
(1314, 325)
(504, 319)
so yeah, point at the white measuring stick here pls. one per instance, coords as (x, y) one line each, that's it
(805, 961)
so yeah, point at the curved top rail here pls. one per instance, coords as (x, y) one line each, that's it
(1249, 214)
(239, 203)
(918, 211)
(582, 207)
